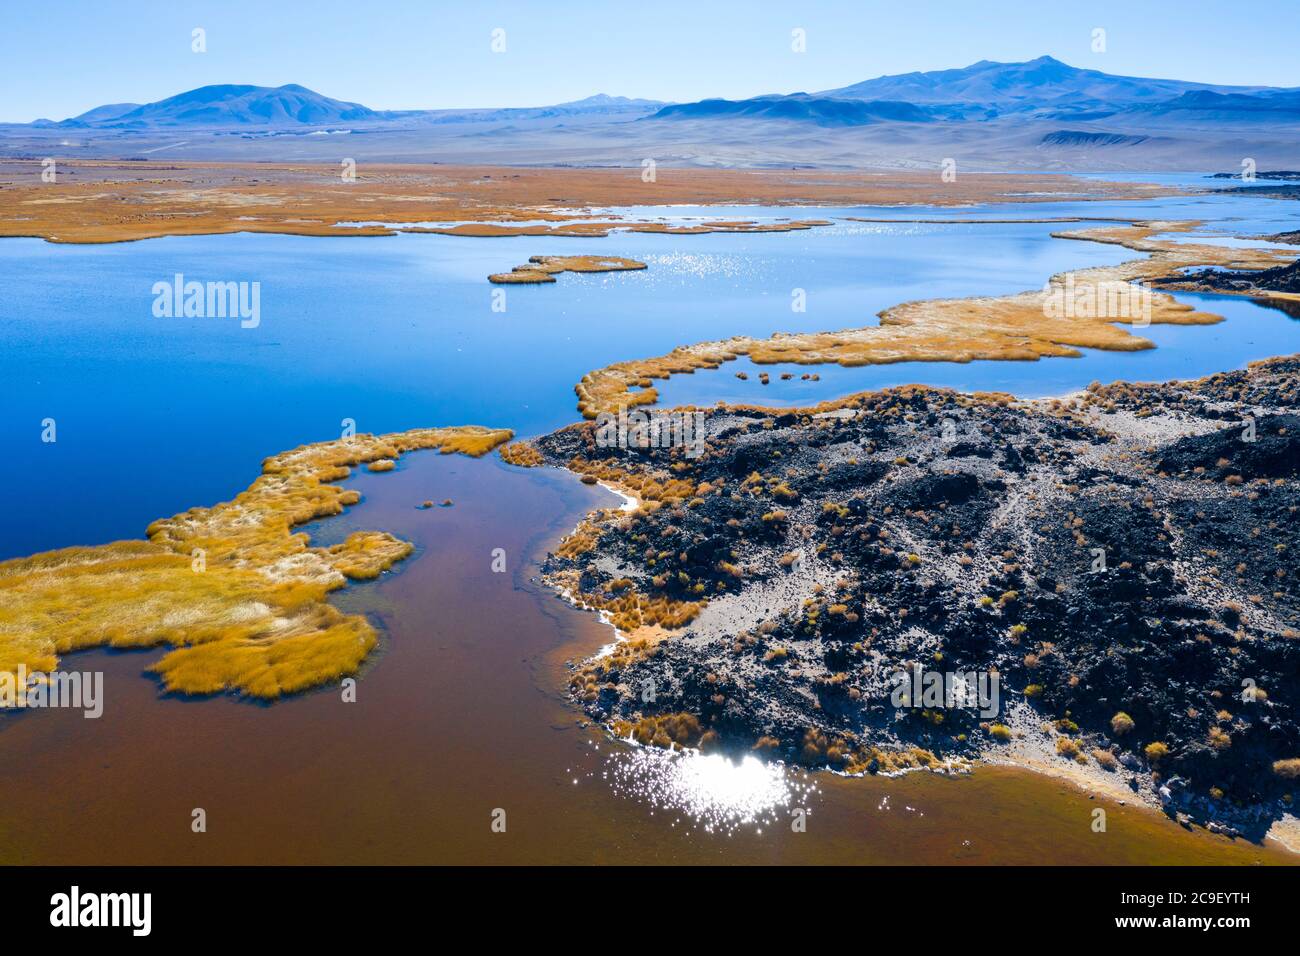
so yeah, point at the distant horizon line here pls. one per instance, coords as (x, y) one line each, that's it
(646, 99)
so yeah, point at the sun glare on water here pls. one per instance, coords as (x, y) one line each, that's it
(711, 791)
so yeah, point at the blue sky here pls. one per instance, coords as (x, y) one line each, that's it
(58, 59)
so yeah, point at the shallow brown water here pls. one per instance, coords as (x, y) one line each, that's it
(462, 712)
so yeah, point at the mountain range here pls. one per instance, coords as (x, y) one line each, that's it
(1039, 113)
(1044, 88)
(1044, 83)
(235, 106)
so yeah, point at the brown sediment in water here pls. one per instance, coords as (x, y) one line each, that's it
(544, 268)
(322, 782)
(239, 596)
(110, 201)
(1076, 309)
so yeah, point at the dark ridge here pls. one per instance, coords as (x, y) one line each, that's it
(1071, 137)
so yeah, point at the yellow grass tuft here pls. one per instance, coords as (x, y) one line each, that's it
(521, 454)
(1066, 747)
(544, 268)
(1156, 751)
(1121, 723)
(1020, 327)
(668, 731)
(238, 594)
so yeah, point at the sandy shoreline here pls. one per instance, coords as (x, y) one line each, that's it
(1092, 779)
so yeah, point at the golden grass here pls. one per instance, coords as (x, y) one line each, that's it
(644, 618)
(680, 730)
(818, 749)
(1066, 747)
(545, 268)
(1014, 327)
(521, 454)
(1156, 751)
(592, 675)
(239, 595)
(644, 484)
(115, 201)
(1105, 759)
(670, 731)
(629, 610)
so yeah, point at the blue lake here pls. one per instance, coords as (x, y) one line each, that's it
(156, 415)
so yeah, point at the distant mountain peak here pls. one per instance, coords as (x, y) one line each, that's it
(604, 99)
(1041, 83)
(230, 104)
(800, 107)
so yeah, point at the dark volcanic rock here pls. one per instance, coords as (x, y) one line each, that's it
(1278, 279)
(1122, 561)
(1272, 452)
(1272, 191)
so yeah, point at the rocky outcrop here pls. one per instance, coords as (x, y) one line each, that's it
(1122, 561)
